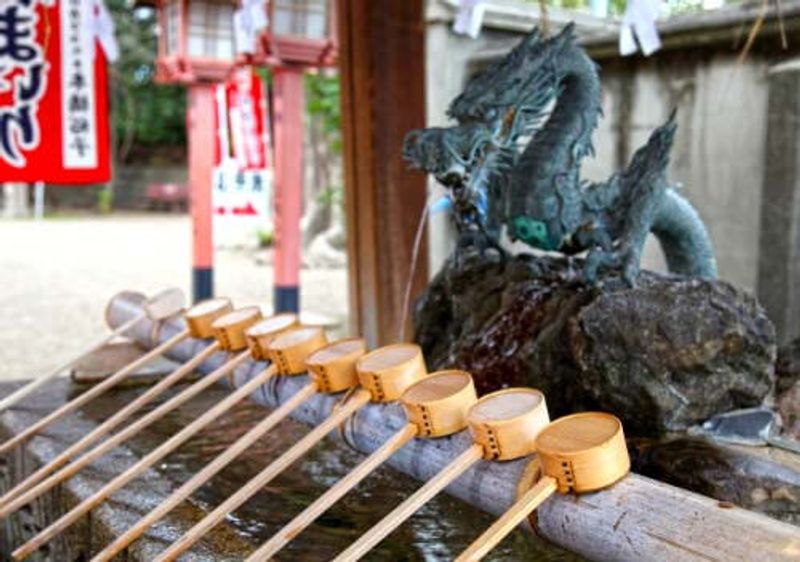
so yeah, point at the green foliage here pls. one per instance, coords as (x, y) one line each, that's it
(323, 94)
(144, 114)
(266, 238)
(105, 200)
(331, 195)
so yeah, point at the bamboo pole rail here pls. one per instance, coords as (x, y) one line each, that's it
(636, 519)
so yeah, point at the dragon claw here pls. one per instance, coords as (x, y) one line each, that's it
(476, 247)
(599, 260)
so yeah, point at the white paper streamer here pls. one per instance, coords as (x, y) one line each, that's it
(248, 22)
(102, 28)
(639, 19)
(469, 18)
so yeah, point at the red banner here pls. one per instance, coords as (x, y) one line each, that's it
(54, 122)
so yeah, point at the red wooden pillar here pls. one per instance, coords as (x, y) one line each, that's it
(200, 128)
(287, 114)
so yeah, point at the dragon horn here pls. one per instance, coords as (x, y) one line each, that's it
(566, 37)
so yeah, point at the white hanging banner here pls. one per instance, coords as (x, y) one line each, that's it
(248, 22)
(639, 19)
(469, 18)
(78, 99)
(103, 29)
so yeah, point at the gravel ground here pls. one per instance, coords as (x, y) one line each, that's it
(57, 275)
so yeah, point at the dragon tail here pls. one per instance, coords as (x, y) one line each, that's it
(653, 157)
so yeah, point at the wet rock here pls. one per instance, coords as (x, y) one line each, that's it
(730, 475)
(787, 387)
(663, 356)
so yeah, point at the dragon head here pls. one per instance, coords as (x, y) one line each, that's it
(449, 154)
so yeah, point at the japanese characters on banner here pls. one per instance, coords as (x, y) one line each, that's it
(242, 182)
(54, 124)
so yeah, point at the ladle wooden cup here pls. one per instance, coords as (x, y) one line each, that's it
(199, 319)
(261, 334)
(294, 350)
(503, 425)
(579, 453)
(435, 406)
(160, 307)
(229, 330)
(384, 374)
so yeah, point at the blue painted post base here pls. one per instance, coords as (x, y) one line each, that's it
(202, 283)
(287, 299)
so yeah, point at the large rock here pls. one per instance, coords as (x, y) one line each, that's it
(787, 371)
(663, 356)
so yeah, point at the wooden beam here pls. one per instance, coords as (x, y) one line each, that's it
(383, 97)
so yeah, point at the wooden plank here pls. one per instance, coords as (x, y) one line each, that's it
(383, 97)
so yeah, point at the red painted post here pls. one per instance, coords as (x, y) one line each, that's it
(287, 115)
(200, 129)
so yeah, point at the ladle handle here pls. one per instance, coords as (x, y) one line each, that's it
(146, 462)
(121, 436)
(406, 509)
(32, 386)
(255, 484)
(507, 522)
(208, 472)
(334, 494)
(94, 392)
(110, 424)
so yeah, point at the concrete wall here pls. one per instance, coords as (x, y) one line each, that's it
(718, 155)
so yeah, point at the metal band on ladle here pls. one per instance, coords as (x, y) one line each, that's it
(503, 425)
(579, 453)
(435, 406)
(229, 331)
(294, 350)
(161, 306)
(384, 375)
(198, 319)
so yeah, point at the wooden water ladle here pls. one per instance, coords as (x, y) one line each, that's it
(160, 307)
(291, 354)
(157, 308)
(579, 453)
(435, 406)
(199, 319)
(384, 374)
(229, 330)
(503, 425)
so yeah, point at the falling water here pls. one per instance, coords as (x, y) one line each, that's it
(412, 271)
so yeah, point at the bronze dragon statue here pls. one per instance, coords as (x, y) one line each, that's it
(513, 161)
